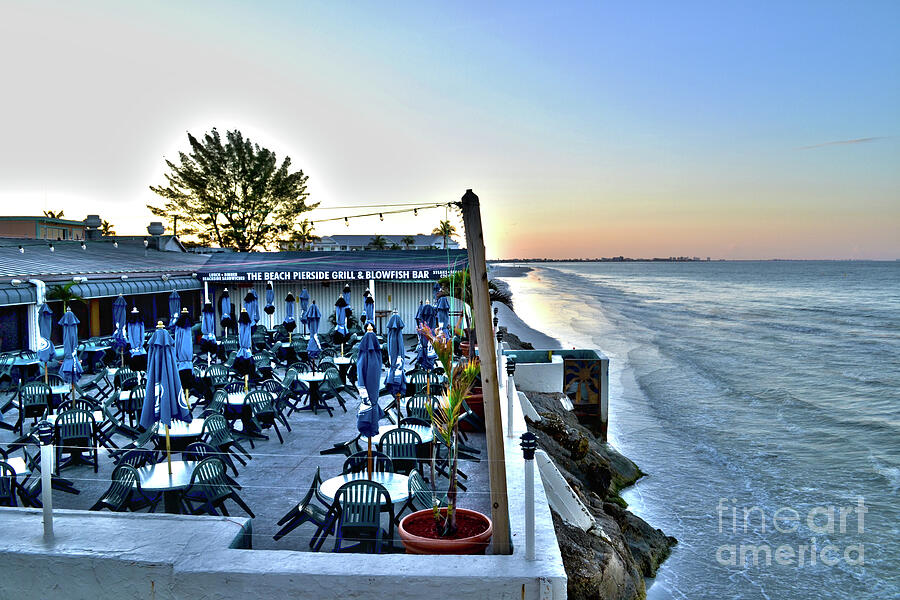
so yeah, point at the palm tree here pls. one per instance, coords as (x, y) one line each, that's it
(460, 284)
(54, 214)
(106, 228)
(445, 230)
(408, 241)
(302, 237)
(378, 243)
(63, 292)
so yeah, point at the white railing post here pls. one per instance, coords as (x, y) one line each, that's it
(529, 445)
(510, 394)
(45, 434)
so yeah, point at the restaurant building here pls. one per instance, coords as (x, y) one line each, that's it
(147, 270)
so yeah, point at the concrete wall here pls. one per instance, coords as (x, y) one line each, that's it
(540, 377)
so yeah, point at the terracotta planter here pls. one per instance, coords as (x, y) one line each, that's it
(475, 400)
(475, 544)
(464, 348)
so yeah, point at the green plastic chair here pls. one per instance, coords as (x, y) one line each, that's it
(7, 484)
(263, 412)
(217, 434)
(357, 508)
(34, 401)
(401, 445)
(307, 511)
(417, 406)
(76, 433)
(420, 497)
(117, 497)
(210, 488)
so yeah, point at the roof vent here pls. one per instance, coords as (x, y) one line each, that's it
(156, 228)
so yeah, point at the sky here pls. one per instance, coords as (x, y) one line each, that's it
(723, 129)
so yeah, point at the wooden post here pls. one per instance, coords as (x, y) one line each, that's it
(481, 306)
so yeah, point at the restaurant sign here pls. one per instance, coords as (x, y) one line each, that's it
(337, 275)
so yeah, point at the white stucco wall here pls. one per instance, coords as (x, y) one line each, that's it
(540, 377)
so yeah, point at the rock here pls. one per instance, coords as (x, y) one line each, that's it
(595, 568)
(649, 547)
(610, 560)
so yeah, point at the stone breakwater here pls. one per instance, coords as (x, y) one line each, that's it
(611, 560)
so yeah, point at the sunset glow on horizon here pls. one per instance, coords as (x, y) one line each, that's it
(587, 130)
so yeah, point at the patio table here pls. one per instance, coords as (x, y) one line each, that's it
(315, 401)
(343, 365)
(396, 484)
(424, 432)
(18, 465)
(181, 434)
(156, 478)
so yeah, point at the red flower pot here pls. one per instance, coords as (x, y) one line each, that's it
(418, 533)
(475, 400)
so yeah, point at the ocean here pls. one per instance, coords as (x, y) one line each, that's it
(763, 401)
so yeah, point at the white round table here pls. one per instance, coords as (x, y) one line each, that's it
(396, 484)
(156, 478)
(424, 432)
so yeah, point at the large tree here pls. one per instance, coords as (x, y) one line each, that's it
(233, 194)
(302, 236)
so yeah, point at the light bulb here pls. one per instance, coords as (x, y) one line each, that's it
(21, 250)
(381, 216)
(346, 221)
(83, 246)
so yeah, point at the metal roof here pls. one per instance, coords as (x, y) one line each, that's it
(68, 260)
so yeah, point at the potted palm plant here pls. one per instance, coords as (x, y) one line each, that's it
(447, 529)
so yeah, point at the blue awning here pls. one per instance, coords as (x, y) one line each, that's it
(24, 293)
(130, 287)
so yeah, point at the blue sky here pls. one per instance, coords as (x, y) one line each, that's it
(588, 129)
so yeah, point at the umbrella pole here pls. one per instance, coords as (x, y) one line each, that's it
(187, 400)
(369, 465)
(342, 349)
(168, 450)
(398, 410)
(46, 379)
(246, 382)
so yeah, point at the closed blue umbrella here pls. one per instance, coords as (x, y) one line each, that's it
(304, 306)
(395, 380)
(435, 290)
(425, 353)
(270, 302)
(341, 311)
(225, 311)
(368, 368)
(304, 301)
(163, 401)
(345, 294)
(251, 304)
(208, 330)
(119, 315)
(442, 311)
(369, 309)
(429, 316)
(184, 345)
(138, 360)
(184, 350)
(45, 326)
(313, 316)
(395, 337)
(243, 361)
(290, 324)
(71, 369)
(174, 307)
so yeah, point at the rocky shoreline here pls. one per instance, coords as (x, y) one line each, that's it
(611, 560)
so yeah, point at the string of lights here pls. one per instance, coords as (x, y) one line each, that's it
(415, 210)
